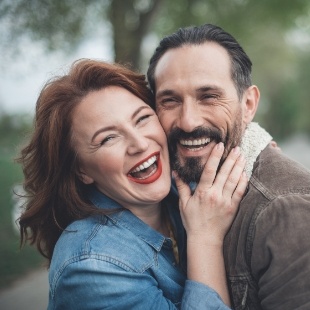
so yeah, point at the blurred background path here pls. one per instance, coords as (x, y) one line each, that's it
(28, 293)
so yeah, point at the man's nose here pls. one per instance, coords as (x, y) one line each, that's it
(190, 117)
(137, 143)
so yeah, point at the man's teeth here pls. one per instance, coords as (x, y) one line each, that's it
(195, 142)
(145, 165)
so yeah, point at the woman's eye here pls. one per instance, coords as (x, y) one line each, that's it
(105, 140)
(142, 118)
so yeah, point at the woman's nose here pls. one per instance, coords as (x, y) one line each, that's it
(137, 143)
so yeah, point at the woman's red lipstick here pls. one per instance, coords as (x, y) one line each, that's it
(153, 176)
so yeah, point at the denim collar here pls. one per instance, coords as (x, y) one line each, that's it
(127, 219)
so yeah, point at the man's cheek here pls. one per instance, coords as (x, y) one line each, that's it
(166, 120)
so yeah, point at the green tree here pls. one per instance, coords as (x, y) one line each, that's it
(13, 263)
(62, 24)
(262, 28)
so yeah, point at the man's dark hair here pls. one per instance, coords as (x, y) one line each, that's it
(240, 62)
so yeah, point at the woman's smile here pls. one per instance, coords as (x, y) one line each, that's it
(146, 171)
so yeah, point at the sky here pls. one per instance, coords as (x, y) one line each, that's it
(23, 76)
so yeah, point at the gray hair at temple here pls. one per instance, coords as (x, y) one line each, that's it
(241, 65)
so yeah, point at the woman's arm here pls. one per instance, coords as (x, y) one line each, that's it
(208, 214)
(95, 283)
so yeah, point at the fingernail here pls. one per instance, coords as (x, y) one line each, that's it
(242, 158)
(236, 150)
(220, 146)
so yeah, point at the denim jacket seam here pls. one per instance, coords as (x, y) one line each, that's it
(91, 236)
(158, 249)
(74, 259)
(105, 258)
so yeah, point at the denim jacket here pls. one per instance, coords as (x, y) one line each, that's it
(119, 262)
(267, 250)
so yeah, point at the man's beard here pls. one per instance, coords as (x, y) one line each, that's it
(191, 168)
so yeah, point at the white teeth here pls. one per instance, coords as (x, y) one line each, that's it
(146, 164)
(196, 142)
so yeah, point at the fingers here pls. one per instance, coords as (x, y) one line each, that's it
(234, 176)
(240, 190)
(209, 171)
(183, 189)
(229, 174)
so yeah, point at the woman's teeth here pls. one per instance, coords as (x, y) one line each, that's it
(145, 165)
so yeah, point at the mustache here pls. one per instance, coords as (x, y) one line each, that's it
(177, 134)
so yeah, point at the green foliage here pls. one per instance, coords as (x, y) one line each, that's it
(282, 114)
(14, 262)
(261, 27)
(60, 24)
(304, 94)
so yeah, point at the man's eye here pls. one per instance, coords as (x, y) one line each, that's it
(209, 96)
(168, 102)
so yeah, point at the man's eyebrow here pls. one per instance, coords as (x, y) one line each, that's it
(103, 129)
(203, 89)
(165, 92)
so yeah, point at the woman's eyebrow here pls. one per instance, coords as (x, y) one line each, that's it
(112, 127)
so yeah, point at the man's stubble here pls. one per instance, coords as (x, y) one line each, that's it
(190, 169)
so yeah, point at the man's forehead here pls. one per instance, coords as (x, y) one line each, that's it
(194, 66)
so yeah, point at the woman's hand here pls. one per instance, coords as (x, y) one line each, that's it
(209, 212)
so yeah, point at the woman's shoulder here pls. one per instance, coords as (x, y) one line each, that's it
(98, 238)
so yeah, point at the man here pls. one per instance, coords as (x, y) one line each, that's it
(201, 78)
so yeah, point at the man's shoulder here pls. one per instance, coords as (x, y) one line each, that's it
(277, 182)
(278, 174)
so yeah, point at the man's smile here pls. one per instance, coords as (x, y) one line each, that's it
(195, 144)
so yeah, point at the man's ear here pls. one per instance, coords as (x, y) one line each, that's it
(85, 178)
(251, 99)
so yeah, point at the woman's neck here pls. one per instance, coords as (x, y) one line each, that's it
(154, 216)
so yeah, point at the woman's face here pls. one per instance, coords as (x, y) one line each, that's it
(121, 147)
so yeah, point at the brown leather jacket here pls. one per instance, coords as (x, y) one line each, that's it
(267, 250)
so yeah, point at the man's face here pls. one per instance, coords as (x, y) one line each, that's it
(198, 105)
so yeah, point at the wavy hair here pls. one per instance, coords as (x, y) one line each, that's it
(55, 194)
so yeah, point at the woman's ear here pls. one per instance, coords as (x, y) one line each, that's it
(85, 178)
(251, 99)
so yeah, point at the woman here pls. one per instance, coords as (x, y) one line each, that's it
(98, 177)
